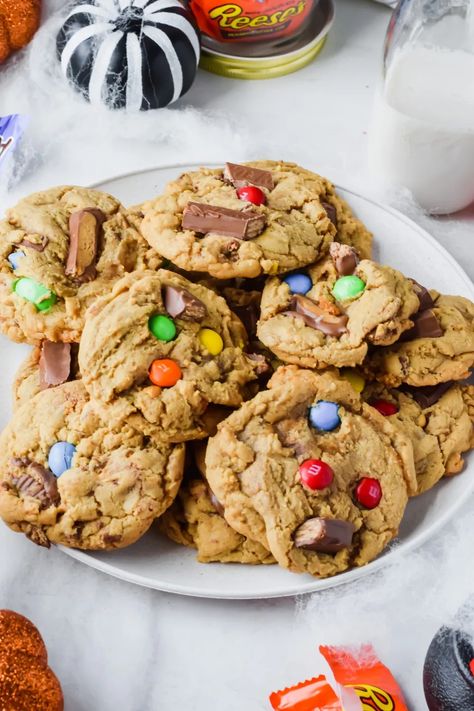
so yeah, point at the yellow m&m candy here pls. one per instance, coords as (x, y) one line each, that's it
(211, 341)
(354, 378)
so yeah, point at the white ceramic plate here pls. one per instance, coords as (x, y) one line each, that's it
(158, 563)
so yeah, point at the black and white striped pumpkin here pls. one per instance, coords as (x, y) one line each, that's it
(133, 54)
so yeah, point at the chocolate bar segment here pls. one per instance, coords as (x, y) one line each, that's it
(424, 296)
(331, 212)
(324, 535)
(242, 175)
(429, 394)
(240, 224)
(315, 317)
(38, 245)
(35, 481)
(180, 302)
(345, 258)
(54, 364)
(84, 232)
(426, 326)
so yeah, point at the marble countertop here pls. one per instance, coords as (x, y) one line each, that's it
(116, 647)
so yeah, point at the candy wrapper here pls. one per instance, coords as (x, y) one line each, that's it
(312, 695)
(11, 130)
(365, 684)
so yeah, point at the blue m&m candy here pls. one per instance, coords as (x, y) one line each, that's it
(298, 283)
(60, 457)
(324, 416)
(15, 257)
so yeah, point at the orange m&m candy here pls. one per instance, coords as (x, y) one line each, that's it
(165, 372)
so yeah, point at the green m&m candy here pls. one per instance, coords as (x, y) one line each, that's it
(39, 295)
(162, 327)
(348, 287)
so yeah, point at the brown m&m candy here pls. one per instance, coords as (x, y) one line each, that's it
(26, 681)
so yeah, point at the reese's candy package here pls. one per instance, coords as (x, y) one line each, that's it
(251, 20)
(364, 684)
(312, 695)
(366, 677)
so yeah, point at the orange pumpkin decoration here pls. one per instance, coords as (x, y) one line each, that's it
(19, 20)
(26, 681)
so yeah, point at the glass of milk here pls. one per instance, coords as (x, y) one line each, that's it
(422, 129)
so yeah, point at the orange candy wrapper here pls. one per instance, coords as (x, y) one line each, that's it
(365, 684)
(312, 695)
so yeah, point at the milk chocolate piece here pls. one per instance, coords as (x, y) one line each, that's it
(240, 224)
(424, 296)
(242, 175)
(84, 232)
(325, 535)
(54, 364)
(38, 246)
(35, 481)
(215, 501)
(426, 326)
(429, 394)
(345, 258)
(180, 302)
(262, 365)
(331, 212)
(315, 317)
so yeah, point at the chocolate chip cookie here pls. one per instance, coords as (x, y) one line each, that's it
(158, 349)
(48, 365)
(68, 477)
(313, 474)
(196, 519)
(59, 250)
(244, 220)
(437, 421)
(330, 313)
(440, 348)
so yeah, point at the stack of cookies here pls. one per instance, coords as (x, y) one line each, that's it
(227, 360)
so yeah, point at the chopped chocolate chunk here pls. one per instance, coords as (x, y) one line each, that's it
(345, 258)
(315, 317)
(262, 365)
(84, 232)
(38, 536)
(429, 394)
(242, 175)
(39, 245)
(426, 325)
(240, 224)
(35, 481)
(331, 212)
(180, 302)
(424, 296)
(54, 364)
(325, 535)
(110, 538)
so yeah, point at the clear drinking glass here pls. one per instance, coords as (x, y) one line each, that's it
(422, 129)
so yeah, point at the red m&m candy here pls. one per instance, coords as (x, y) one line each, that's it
(250, 193)
(165, 372)
(385, 407)
(316, 474)
(368, 492)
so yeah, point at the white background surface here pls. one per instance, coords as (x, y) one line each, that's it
(121, 648)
